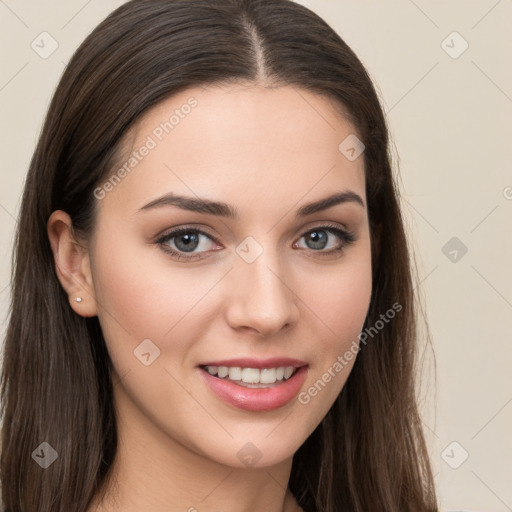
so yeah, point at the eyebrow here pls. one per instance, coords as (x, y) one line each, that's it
(199, 205)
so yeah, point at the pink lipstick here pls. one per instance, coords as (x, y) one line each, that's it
(255, 384)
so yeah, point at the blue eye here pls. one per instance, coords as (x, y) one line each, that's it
(185, 240)
(319, 238)
(182, 243)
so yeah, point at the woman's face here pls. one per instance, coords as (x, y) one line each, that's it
(256, 285)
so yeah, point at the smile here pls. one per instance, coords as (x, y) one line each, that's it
(255, 385)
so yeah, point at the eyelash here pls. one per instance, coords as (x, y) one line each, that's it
(348, 238)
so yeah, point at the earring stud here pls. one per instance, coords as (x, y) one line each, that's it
(78, 299)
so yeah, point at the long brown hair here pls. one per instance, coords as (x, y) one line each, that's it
(369, 452)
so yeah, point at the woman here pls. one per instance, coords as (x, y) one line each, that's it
(212, 301)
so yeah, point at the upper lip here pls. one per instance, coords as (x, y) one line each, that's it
(245, 362)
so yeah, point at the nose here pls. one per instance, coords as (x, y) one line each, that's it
(260, 299)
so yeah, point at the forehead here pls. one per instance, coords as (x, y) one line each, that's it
(247, 145)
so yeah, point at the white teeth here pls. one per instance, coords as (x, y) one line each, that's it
(222, 372)
(268, 376)
(249, 375)
(252, 375)
(235, 373)
(288, 372)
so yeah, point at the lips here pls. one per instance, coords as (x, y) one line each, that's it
(255, 397)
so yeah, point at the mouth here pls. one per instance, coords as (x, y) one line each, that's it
(254, 385)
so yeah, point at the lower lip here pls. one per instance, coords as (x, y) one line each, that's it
(256, 399)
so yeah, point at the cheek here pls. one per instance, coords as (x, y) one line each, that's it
(141, 297)
(123, 287)
(342, 299)
(345, 302)
(128, 291)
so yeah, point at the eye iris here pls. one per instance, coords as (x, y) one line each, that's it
(190, 241)
(319, 239)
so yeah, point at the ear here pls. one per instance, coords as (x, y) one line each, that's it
(72, 264)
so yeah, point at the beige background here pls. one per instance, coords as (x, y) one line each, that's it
(450, 117)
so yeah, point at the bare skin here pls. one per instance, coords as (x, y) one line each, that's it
(266, 152)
